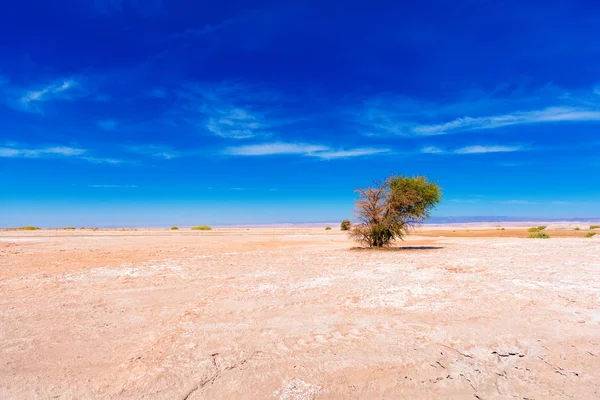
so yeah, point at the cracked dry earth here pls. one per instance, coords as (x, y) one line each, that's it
(296, 314)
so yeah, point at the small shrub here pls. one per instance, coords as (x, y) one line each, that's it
(577, 229)
(201, 228)
(345, 225)
(500, 229)
(542, 227)
(590, 234)
(29, 228)
(174, 228)
(533, 230)
(328, 228)
(69, 228)
(595, 227)
(539, 235)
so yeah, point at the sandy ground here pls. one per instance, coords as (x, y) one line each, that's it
(297, 314)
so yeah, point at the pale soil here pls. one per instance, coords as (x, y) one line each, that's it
(297, 314)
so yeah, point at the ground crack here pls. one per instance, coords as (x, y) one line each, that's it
(558, 369)
(459, 352)
(217, 374)
(509, 354)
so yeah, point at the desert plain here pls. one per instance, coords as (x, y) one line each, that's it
(298, 313)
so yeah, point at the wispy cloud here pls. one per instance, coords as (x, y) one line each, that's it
(56, 90)
(103, 160)
(365, 151)
(230, 110)
(552, 114)
(477, 112)
(488, 149)
(15, 151)
(234, 123)
(41, 152)
(47, 92)
(32, 97)
(520, 202)
(164, 152)
(268, 149)
(303, 149)
(477, 149)
(112, 186)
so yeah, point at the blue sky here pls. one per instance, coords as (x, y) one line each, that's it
(116, 112)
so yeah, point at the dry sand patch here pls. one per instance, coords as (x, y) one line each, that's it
(296, 314)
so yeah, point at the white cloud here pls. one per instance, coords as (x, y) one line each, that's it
(477, 149)
(477, 111)
(13, 151)
(522, 202)
(348, 153)
(41, 152)
(267, 149)
(432, 150)
(46, 93)
(164, 152)
(234, 123)
(552, 114)
(229, 110)
(488, 149)
(112, 186)
(311, 150)
(103, 160)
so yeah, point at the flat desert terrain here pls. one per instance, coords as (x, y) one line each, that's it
(298, 313)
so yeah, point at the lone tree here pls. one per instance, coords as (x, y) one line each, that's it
(345, 225)
(389, 210)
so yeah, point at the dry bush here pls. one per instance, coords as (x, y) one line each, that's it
(201, 228)
(345, 225)
(29, 228)
(390, 209)
(539, 235)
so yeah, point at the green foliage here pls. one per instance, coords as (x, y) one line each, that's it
(539, 235)
(69, 228)
(328, 228)
(590, 234)
(345, 225)
(577, 229)
(29, 228)
(201, 228)
(542, 227)
(174, 228)
(533, 230)
(594, 226)
(389, 210)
